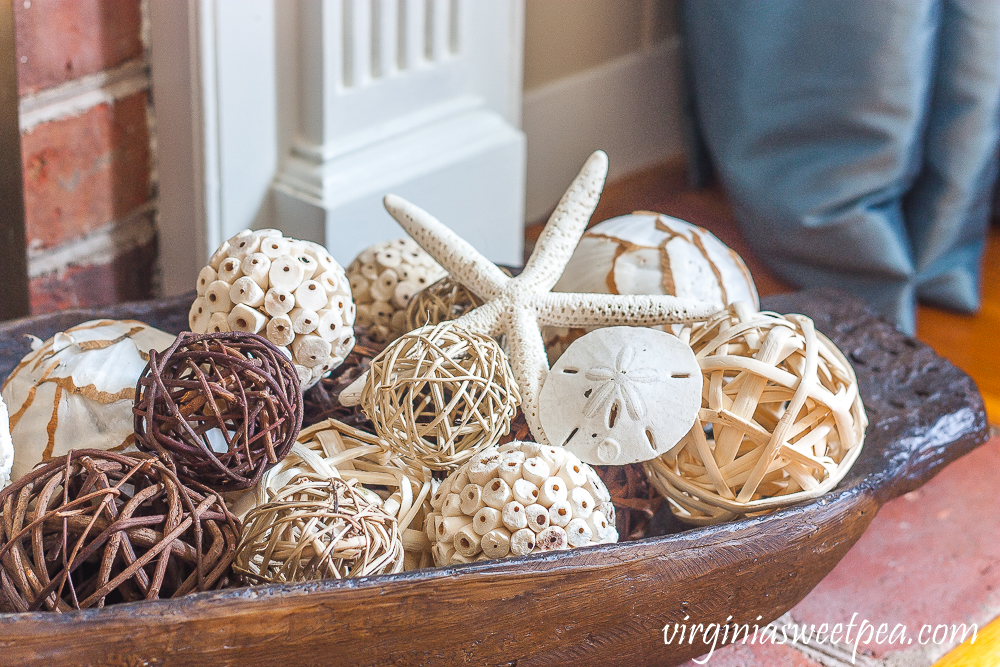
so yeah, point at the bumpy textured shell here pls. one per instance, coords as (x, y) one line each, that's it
(516, 499)
(384, 278)
(289, 291)
(75, 390)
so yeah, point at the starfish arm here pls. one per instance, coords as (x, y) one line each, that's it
(455, 254)
(487, 319)
(566, 225)
(574, 309)
(529, 363)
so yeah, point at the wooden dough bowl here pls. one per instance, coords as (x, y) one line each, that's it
(603, 605)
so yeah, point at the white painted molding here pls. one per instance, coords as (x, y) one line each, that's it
(215, 101)
(416, 97)
(629, 107)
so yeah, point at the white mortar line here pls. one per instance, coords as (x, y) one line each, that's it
(77, 96)
(98, 247)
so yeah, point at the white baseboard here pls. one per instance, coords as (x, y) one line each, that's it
(466, 169)
(629, 107)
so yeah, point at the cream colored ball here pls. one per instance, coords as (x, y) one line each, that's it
(384, 278)
(652, 253)
(289, 291)
(516, 499)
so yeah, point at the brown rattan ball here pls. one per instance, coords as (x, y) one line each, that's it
(783, 415)
(94, 528)
(439, 394)
(221, 407)
(318, 529)
(444, 300)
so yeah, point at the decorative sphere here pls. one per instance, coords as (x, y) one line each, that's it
(223, 407)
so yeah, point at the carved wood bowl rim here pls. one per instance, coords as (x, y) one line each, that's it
(700, 572)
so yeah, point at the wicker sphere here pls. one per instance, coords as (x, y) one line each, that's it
(289, 291)
(318, 529)
(384, 277)
(444, 300)
(93, 528)
(652, 253)
(785, 420)
(439, 394)
(333, 450)
(222, 408)
(516, 499)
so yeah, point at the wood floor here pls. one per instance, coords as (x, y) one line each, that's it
(968, 341)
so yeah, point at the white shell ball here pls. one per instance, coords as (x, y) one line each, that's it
(652, 253)
(516, 499)
(75, 390)
(384, 277)
(289, 291)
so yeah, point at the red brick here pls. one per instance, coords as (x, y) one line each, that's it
(930, 557)
(754, 655)
(84, 171)
(60, 40)
(128, 277)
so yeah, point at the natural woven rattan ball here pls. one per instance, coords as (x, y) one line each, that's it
(93, 528)
(445, 300)
(222, 407)
(439, 394)
(786, 421)
(333, 450)
(318, 529)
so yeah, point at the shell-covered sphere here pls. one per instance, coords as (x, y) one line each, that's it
(439, 394)
(75, 390)
(384, 278)
(652, 253)
(781, 418)
(516, 499)
(289, 291)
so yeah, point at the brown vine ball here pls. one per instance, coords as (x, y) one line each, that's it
(94, 528)
(222, 408)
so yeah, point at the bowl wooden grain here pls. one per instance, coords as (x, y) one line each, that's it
(604, 605)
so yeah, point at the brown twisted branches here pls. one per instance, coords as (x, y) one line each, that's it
(221, 407)
(93, 528)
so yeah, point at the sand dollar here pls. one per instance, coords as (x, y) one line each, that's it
(621, 395)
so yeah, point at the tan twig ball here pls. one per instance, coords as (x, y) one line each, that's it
(318, 529)
(333, 450)
(517, 499)
(384, 277)
(786, 420)
(439, 394)
(445, 300)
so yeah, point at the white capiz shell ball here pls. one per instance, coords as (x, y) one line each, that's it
(384, 277)
(75, 390)
(6, 446)
(516, 499)
(652, 253)
(291, 292)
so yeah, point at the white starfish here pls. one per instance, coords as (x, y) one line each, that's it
(518, 306)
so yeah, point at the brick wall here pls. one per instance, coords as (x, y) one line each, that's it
(89, 185)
